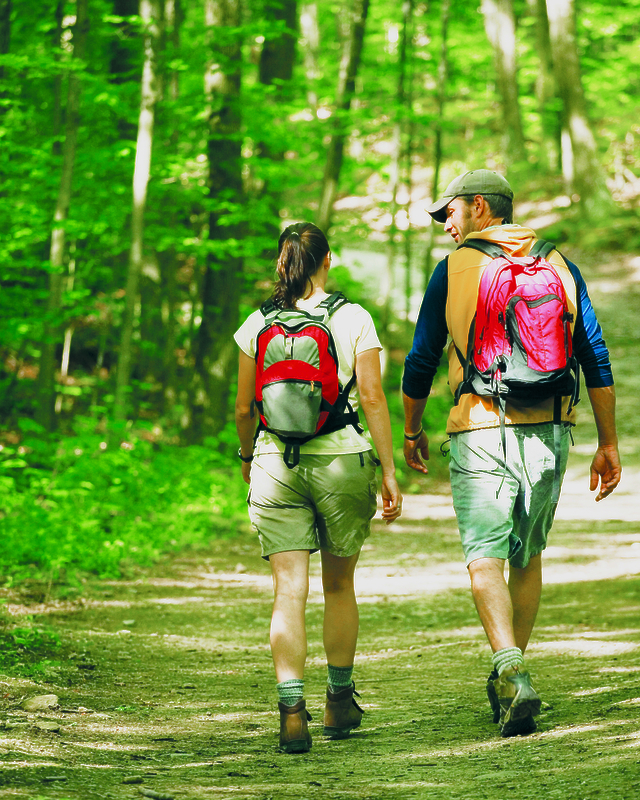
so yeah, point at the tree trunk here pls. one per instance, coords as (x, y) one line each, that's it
(5, 47)
(46, 387)
(443, 75)
(5, 29)
(214, 348)
(311, 35)
(167, 260)
(68, 334)
(589, 177)
(546, 96)
(399, 145)
(276, 69)
(123, 62)
(5, 34)
(500, 25)
(173, 19)
(57, 82)
(344, 96)
(150, 15)
(408, 35)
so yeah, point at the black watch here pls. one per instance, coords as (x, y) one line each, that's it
(246, 460)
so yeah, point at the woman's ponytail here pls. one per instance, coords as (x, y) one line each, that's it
(302, 248)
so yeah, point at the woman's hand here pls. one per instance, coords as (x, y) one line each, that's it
(391, 499)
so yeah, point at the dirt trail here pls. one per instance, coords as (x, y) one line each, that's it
(174, 675)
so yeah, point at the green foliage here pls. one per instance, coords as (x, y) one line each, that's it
(77, 505)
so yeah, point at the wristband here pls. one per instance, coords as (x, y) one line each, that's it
(412, 437)
(242, 458)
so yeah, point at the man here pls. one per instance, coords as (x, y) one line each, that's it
(502, 495)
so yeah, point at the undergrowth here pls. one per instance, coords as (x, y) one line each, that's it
(76, 505)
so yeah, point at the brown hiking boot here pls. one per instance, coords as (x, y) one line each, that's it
(341, 714)
(519, 702)
(294, 732)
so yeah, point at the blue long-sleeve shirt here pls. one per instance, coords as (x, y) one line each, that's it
(430, 337)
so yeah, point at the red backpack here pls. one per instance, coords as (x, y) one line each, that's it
(520, 347)
(298, 393)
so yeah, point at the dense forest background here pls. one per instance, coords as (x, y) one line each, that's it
(152, 150)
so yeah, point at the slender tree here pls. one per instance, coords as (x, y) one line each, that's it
(276, 70)
(167, 259)
(5, 46)
(46, 388)
(407, 156)
(589, 178)
(57, 81)
(400, 130)
(344, 97)
(500, 25)
(546, 94)
(441, 98)
(150, 17)
(5, 31)
(214, 347)
(311, 48)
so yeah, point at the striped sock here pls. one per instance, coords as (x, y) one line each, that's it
(507, 657)
(290, 692)
(339, 677)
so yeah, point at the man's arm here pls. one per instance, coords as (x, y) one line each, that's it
(429, 338)
(593, 355)
(422, 364)
(416, 452)
(606, 470)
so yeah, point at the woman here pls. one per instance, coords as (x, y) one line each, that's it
(324, 503)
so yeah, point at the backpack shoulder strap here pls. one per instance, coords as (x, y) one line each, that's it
(333, 303)
(268, 307)
(541, 248)
(490, 249)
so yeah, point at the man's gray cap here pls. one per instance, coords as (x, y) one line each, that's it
(479, 181)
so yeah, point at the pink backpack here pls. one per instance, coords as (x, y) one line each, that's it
(520, 347)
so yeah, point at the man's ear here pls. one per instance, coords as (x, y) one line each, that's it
(478, 206)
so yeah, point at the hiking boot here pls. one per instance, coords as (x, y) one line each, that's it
(341, 714)
(294, 732)
(493, 696)
(519, 702)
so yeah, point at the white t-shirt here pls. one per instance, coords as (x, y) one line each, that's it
(354, 333)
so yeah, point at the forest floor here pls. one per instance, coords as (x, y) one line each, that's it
(163, 683)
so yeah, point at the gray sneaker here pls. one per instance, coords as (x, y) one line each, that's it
(519, 702)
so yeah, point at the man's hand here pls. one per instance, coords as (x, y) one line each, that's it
(416, 453)
(246, 472)
(605, 470)
(391, 499)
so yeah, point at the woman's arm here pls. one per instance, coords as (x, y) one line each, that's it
(246, 418)
(376, 412)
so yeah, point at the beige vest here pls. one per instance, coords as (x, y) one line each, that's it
(465, 269)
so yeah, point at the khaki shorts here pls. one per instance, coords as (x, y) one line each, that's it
(325, 503)
(504, 507)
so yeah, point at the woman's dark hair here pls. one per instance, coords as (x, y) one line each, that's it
(302, 248)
